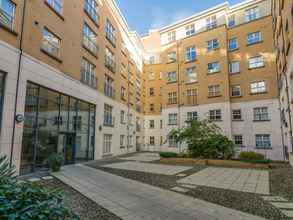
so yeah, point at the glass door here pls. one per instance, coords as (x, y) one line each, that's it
(69, 148)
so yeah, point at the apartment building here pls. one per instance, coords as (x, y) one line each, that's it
(283, 38)
(218, 64)
(71, 79)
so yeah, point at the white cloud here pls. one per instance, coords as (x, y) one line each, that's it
(161, 17)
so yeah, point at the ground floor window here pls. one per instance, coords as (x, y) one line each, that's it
(152, 140)
(56, 123)
(107, 142)
(263, 141)
(172, 141)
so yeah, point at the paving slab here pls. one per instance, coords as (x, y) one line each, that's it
(283, 205)
(179, 189)
(148, 167)
(288, 213)
(245, 180)
(145, 157)
(133, 200)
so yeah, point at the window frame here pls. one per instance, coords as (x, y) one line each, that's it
(263, 144)
(10, 16)
(257, 87)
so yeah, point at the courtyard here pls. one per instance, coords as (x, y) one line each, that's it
(137, 186)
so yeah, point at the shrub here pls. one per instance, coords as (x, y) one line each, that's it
(204, 140)
(168, 154)
(55, 162)
(250, 155)
(24, 200)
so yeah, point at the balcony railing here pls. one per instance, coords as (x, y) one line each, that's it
(109, 90)
(90, 45)
(110, 64)
(89, 79)
(6, 19)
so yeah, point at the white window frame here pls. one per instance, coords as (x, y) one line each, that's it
(252, 14)
(190, 30)
(213, 44)
(253, 38)
(258, 87)
(172, 118)
(172, 76)
(236, 114)
(7, 14)
(190, 53)
(261, 114)
(215, 115)
(213, 67)
(239, 141)
(57, 5)
(171, 36)
(234, 67)
(107, 144)
(233, 44)
(191, 75)
(263, 141)
(214, 90)
(51, 43)
(172, 98)
(235, 89)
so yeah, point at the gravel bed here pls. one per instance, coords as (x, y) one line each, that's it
(86, 208)
(281, 182)
(246, 202)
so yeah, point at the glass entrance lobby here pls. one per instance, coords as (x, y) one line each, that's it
(56, 123)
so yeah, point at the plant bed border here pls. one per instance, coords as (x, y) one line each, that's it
(212, 162)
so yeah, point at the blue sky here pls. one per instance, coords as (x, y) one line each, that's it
(143, 15)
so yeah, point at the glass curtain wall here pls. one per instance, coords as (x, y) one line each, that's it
(56, 123)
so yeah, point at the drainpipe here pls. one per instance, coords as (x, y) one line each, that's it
(17, 82)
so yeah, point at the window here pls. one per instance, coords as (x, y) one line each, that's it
(190, 30)
(215, 115)
(130, 140)
(88, 73)
(235, 91)
(91, 8)
(263, 141)
(258, 87)
(173, 119)
(172, 141)
(236, 115)
(191, 95)
(90, 39)
(161, 140)
(152, 140)
(171, 76)
(152, 59)
(172, 98)
(213, 67)
(109, 87)
(238, 140)
(122, 137)
(172, 56)
(107, 142)
(256, 62)
(171, 36)
(51, 43)
(190, 54)
(260, 114)
(152, 107)
(56, 5)
(152, 124)
(123, 93)
(234, 67)
(253, 38)
(233, 44)
(110, 60)
(7, 13)
(161, 124)
(130, 117)
(211, 22)
(191, 116)
(214, 90)
(122, 117)
(110, 33)
(252, 14)
(231, 21)
(108, 117)
(213, 44)
(152, 91)
(191, 75)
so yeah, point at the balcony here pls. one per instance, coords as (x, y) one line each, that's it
(90, 46)
(89, 79)
(6, 19)
(110, 64)
(109, 90)
(111, 38)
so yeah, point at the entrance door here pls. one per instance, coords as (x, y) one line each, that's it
(69, 148)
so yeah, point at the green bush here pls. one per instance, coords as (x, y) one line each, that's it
(250, 155)
(168, 154)
(204, 140)
(27, 201)
(55, 162)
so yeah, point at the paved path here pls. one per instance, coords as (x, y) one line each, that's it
(145, 157)
(148, 167)
(132, 200)
(245, 180)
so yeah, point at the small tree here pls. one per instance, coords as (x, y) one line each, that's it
(203, 139)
